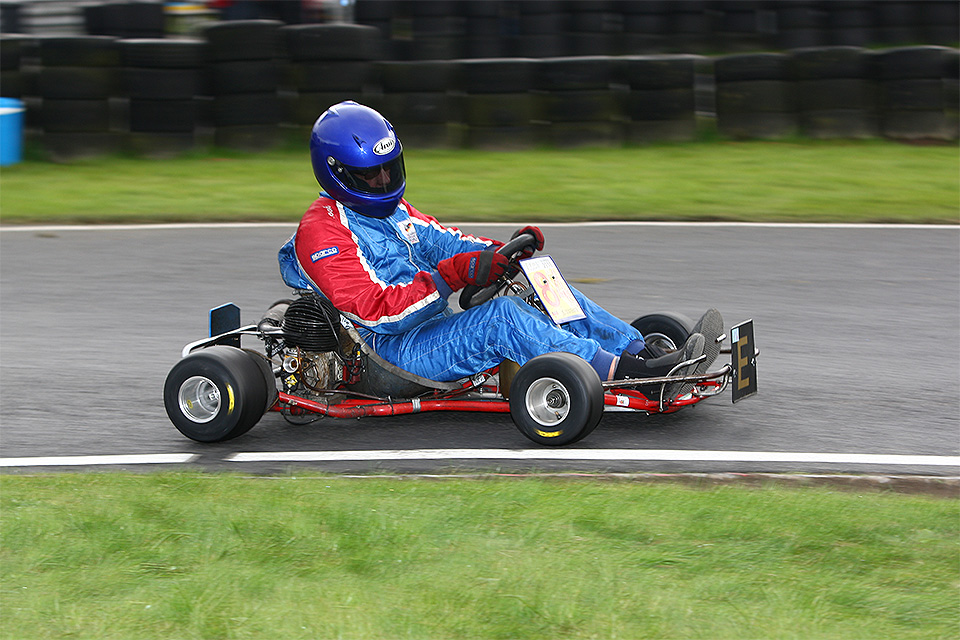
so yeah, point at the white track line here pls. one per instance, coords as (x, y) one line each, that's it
(609, 455)
(605, 455)
(597, 223)
(83, 461)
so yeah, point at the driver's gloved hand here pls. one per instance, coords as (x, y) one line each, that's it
(536, 233)
(481, 268)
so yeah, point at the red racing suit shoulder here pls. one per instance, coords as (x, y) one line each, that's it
(377, 271)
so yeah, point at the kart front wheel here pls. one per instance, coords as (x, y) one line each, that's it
(556, 399)
(217, 394)
(667, 331)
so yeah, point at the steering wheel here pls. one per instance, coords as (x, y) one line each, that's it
(473, 295)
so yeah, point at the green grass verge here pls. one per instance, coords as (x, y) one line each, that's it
(184, 555)
(869, 181)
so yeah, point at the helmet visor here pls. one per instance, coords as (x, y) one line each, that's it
(379, 179)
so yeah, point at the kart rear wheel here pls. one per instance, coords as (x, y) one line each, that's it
(217, 394)
(668, 331)
(556, 399)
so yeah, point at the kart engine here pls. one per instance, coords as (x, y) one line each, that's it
(310, 323)
(311, 360)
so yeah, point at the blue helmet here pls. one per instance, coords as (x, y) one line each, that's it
(358, 159)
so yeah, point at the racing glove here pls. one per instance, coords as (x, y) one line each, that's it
(536, 233)
(481, 268)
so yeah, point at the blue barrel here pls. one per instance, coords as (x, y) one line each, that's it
(11, 131)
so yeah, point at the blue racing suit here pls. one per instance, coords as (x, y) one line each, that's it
(380, 273)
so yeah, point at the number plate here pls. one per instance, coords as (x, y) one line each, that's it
(223, 319)
(557, 298)
(743, 358)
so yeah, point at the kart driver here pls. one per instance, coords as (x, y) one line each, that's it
(390, 268)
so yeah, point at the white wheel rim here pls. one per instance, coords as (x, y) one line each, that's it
(547, 402)
(199, 399)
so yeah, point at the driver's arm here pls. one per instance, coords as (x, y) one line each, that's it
(439, 242)
(481, 268)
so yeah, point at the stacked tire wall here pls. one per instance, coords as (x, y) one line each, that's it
(162, 79)
(755, 96)
(243, 81)
(252, 84)
(124, 19)
(77, 78)
(497, 103)
(326, 64)
(836, 93)
(11, 69)
(418, 95)
(912, 97)
(580, 101)
(660, 101)
(452, 29)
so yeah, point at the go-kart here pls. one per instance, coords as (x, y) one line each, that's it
(312, 363)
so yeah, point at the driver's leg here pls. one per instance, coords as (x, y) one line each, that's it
(480, 338)
(612, 333)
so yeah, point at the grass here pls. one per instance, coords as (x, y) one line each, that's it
(864, 181)
(184, 555)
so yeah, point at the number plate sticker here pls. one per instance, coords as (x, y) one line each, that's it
(743, 358)
(554, 293)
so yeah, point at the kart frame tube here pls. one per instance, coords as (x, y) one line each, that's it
(360, 409)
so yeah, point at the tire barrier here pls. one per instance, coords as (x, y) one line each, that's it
(951, 91)
(452, 29)
(539, 30)
(911, 94)
(326, 64)
(755, 96)
(646, 27)
(162, 79)
(740, 27)
(436, 32)
(579, 101)
(938, 22)
(800, 24)
(417, 94)
(595, 28)
(836, 92)
(496, 102)
(660, 101)
(124, 19)
(901, 22)
(11, 73)
(77, 77)
(251, 83)
(850, 24)
(243, 80)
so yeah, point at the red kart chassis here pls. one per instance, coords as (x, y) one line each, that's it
(614, 396)
(219, 391)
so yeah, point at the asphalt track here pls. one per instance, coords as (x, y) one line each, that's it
(858, 327)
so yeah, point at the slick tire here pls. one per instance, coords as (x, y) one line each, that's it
(217, 394)
(556, 399)
(666, 330)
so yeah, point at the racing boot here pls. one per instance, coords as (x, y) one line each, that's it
(711, 326)
(631, 366)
